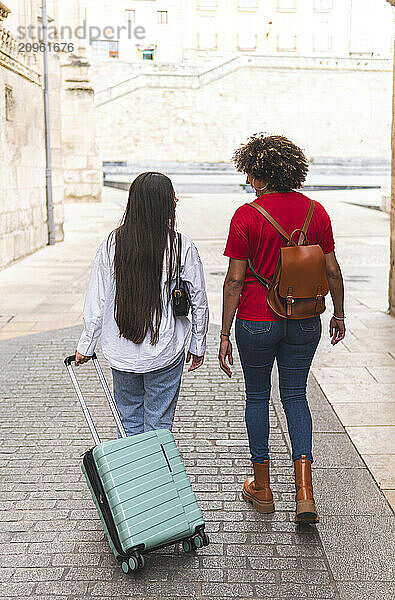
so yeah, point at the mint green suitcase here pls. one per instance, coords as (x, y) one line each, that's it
(140, 488)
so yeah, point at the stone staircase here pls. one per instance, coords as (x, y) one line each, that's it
(180, 80)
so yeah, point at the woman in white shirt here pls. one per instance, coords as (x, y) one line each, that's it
(128, 304)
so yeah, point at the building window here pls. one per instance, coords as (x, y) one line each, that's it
(207, 35)
(113, 51)
(148, 54)
(9, 103)
(248, 5)
(99, 48)
(163, 17)
(207, 4)
(105, 49)
(287, 5)
(323, 5)
(286, 41)
(247, 40)
(247, 35)
(130, 16)
(322, 40)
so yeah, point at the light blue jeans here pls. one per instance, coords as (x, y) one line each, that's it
(147, 401)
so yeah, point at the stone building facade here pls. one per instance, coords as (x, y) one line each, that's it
(76, 165)
(213, 31)
(23, 218)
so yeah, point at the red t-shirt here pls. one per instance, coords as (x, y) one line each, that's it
(251, 235)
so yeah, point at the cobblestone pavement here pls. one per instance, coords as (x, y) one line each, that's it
(53, 544)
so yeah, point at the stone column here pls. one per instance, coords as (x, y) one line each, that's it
(392, 221)
(58, 172)
(392, 240)
(81, 159)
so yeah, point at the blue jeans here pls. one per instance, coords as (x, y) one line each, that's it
(293, 344)
(147, 401)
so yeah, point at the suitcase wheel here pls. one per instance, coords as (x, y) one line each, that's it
(187, 545)
(125, 566)
(135, 562)
(198, 541)
(201, 538)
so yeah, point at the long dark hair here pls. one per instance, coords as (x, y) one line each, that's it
(140, 245)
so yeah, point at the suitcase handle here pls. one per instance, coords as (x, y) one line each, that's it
(68, 362)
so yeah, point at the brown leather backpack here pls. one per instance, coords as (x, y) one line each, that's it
(299, 285)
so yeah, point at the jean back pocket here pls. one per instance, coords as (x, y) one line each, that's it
(311, 324)
(256, 327)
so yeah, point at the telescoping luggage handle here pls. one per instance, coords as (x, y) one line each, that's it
(68, 362)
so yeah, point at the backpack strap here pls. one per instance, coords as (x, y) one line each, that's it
(178, 268)
(272, 221)
(263, 280)
(281, 231)
(307, 222)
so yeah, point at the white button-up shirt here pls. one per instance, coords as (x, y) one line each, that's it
(125, 355)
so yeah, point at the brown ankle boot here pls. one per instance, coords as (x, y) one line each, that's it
(258, 490)
(306, 511)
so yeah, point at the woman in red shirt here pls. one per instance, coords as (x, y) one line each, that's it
(275, 167)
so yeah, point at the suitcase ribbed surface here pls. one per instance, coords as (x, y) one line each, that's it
(148, 489)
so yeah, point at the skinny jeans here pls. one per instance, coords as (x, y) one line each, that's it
(292, 343)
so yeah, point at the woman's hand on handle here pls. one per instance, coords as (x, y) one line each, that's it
(197, 361)
(337, 330)
(225, 352)
(80, 359)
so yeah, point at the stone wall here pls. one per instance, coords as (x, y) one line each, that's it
(23, 219)
(339, 108)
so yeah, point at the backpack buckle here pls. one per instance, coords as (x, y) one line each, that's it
(318, 299)
(290, 300)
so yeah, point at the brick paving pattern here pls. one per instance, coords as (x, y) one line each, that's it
(52, 542)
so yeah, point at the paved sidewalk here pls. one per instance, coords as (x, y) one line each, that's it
(46, 290)
(53, 546)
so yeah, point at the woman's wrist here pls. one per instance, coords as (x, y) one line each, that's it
(342, 318)
(224, 334)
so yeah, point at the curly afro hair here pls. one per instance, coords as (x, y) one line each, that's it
(273, 159)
